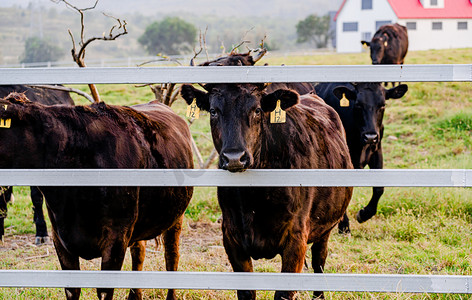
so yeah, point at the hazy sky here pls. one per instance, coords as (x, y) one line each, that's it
(286, 8)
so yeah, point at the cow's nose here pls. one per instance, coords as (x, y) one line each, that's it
(234, 161)
(371, 138)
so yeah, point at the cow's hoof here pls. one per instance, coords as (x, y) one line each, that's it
(344, 230)
(363, 216)
(42, 240)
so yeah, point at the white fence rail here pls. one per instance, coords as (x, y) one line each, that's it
(218, 280)
(253, 178)
(370, 73)
(243, 281)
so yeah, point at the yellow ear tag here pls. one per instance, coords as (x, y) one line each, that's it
(364, 45)
(385, 43)
(193, 111)
(278, 115)
(5, 123)
(344, 102)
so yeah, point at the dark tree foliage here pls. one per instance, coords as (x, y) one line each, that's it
(170, 36)
(40, 50)
(314, 30)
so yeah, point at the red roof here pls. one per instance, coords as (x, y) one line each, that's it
(339, 10)
(413, 9)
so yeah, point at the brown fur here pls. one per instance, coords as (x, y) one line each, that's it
(389, 44)
(48, 97)
(260, 222)
(90, 222)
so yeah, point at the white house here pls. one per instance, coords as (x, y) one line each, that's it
(432, 24)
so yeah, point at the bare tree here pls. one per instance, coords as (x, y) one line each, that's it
(167, 94)
(79, 55)
(63, 88)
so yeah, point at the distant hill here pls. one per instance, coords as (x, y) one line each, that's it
(275, 8)
(227, 21)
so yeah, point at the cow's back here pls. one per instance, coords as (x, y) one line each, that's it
(174, 134)
(40, 95)
(329, 131)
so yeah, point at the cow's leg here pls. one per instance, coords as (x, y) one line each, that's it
(113, 255)
(376, 162)
(171, 250)
(68, 262)
(6, 195)
(319, 252)
(293, 260)
(343, 226)
(39, 221)
(240, 262)
(2, 224)
(138, 253)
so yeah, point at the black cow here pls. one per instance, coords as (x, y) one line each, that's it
(47, 97)
(389, 45)
(362, 118)
(261, 222)
(90, 222)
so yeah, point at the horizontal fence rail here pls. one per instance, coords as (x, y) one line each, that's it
(237, 74)
(389, 283)
(252, 178)
(180, 177)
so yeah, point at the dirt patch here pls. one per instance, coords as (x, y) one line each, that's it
(196, 237)
(13, 242)
(201, 235)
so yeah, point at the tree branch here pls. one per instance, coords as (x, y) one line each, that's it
(79, 57)
(63, 88)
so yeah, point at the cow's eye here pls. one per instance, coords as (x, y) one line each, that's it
(258, 111)
(213, 112)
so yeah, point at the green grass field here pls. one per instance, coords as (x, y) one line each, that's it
(416, 230)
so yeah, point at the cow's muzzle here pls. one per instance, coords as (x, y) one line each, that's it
(234, 161)
(370, 138)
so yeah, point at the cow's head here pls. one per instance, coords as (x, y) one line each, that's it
(368, 104)
(238, 113)
(378, 46)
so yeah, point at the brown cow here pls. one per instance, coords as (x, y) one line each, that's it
(261, 222)
(91, 222)
(48, 97)
(389, 45)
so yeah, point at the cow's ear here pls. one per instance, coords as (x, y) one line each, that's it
(288, 98)
(365, 43)
(189, 93)
(345, 91)
(396, 92)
